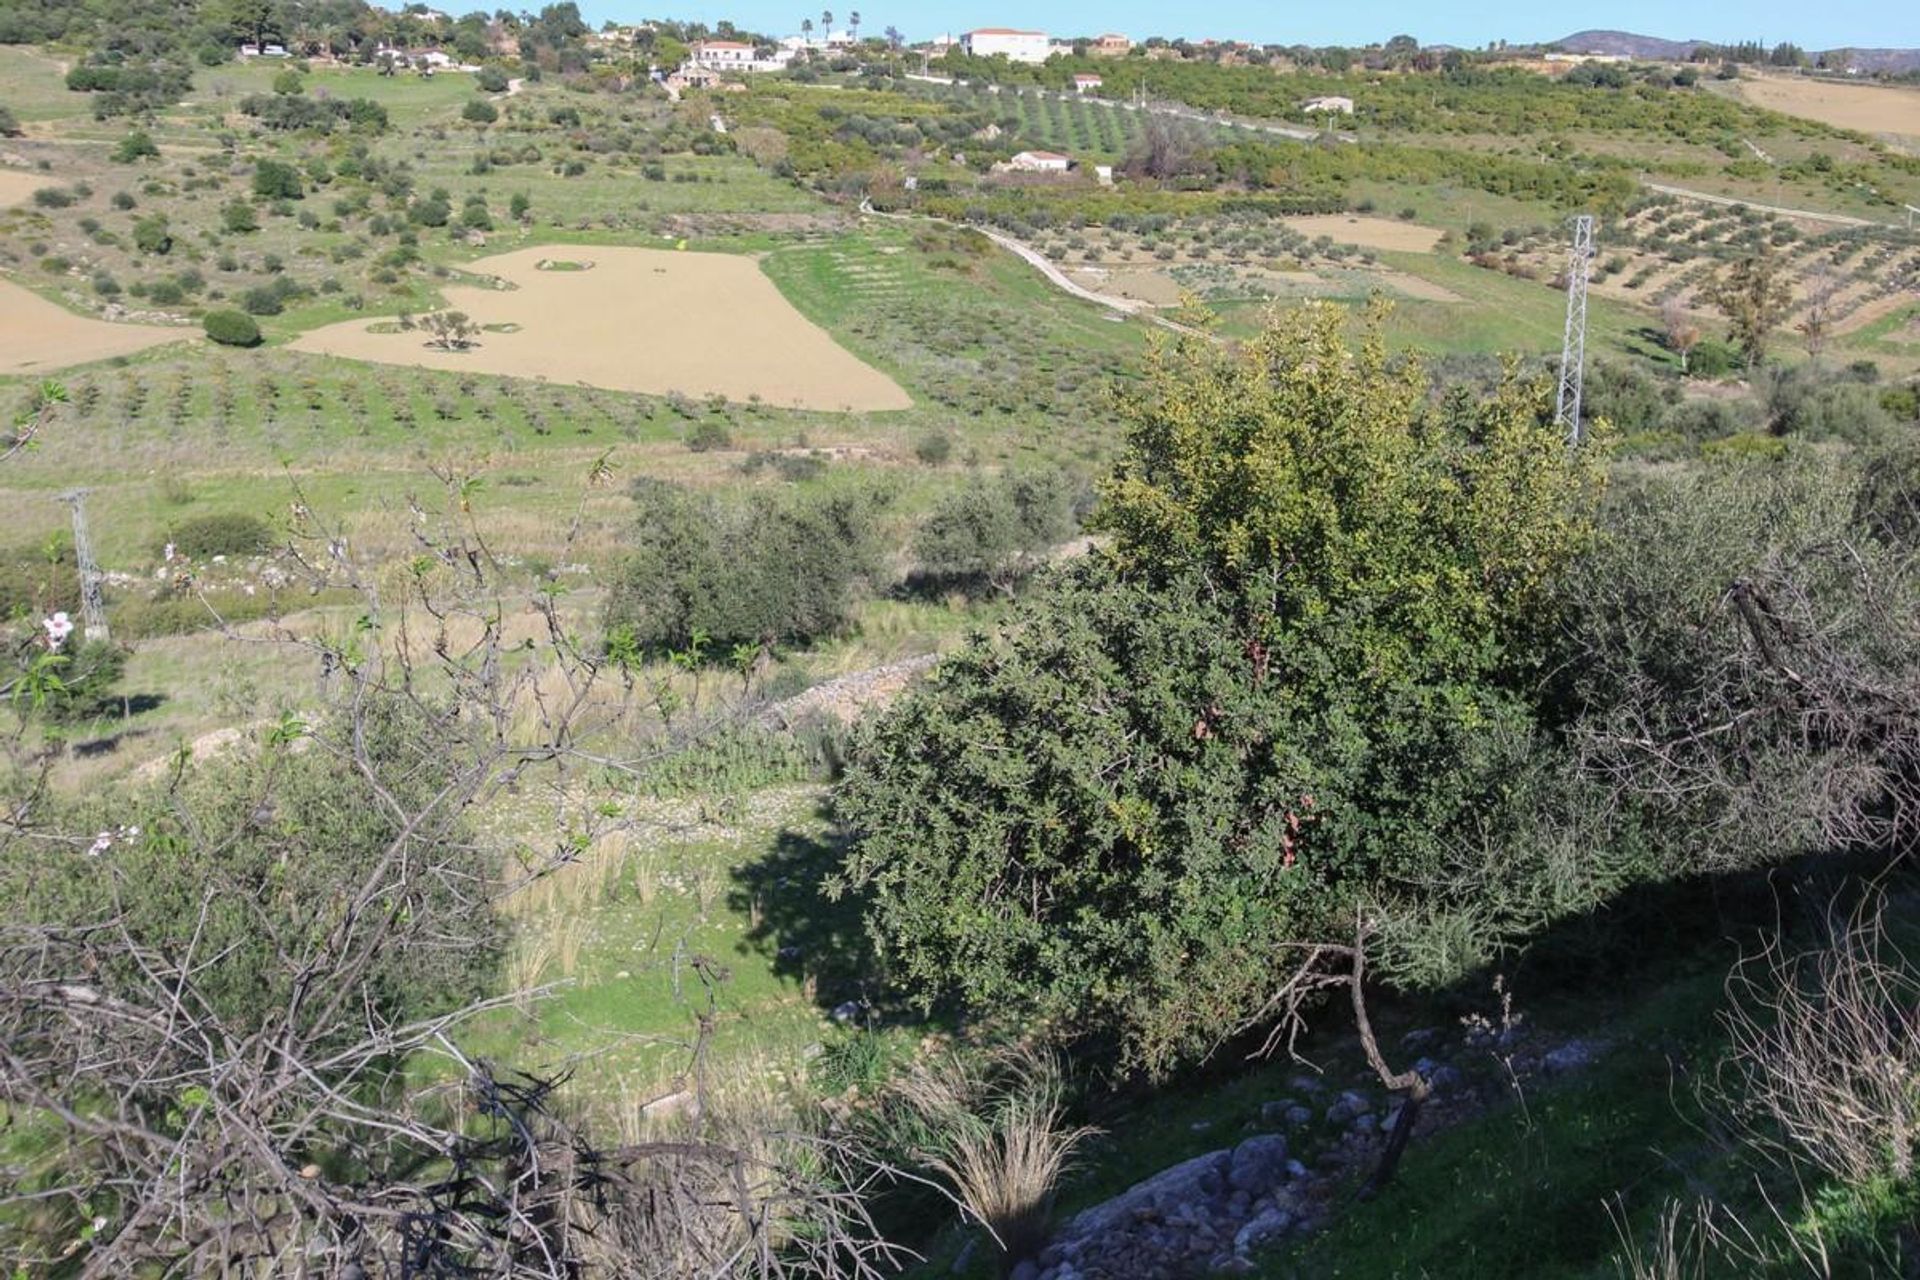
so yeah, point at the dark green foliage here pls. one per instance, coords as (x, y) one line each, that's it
(995, 530)
(479, 111)
(933, 447)
(491, 79)
(276, 180)
(137, 145)
(223, 534)
(323, 115)
(232, 328)
(289, 82)
(1300, 682)
(764, 569)
(9, 123)
(151, 234)
(88, 676)
(238, 216)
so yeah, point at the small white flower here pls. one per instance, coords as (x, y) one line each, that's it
(169, 553)
(101, 843)
(59, 627)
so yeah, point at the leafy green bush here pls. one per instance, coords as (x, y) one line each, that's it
(223, 534)
(491, 80)
(479, 111)
(151, 234)
(769, 569)
(9, 123)
(232, 328)
(87, 675)
(1301, 677)
(276, 180)
(238, 216)
(137, 145)
(994, 531)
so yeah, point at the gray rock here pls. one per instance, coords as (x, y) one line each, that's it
(1302, 1083)
(1364, 1124)
(1276, 1112)
(1420, 1037)
(1186, 1183)
(1296, 1170)
(1268, 1226)
(847, 1011)
(1028, 1269)
(1258, 1164)
(1299, 1117)
(1446, 1079)
(1347, 1106)
(1574, 1055)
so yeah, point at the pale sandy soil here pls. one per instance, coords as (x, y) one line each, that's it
(36, 336)
(1368, 233)
(17, 185)
(647, 320)
(1868, 108)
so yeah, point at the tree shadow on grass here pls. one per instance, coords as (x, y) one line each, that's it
(806, 935)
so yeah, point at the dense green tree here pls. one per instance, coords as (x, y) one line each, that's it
(995, 530)
(1755, 298)
(762, 570)
(1303, 673)
(276, 180)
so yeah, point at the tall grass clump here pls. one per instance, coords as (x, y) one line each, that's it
(997, 1135)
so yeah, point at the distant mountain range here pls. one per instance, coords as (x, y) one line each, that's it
(1639, 46)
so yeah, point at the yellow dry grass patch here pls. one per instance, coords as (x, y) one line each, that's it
(1369, 233)
(1868, 108)
(646, 320)
(17, 185)
(36, 336)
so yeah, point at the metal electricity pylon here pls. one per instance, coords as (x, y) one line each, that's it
(93, 611)
(1573, 346)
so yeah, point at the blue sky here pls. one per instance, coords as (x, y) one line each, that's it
(1861, 23)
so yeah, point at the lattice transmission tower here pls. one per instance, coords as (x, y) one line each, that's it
(93, 612)
(1573, 346)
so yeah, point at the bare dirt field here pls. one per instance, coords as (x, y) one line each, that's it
(647, 320)
(1368, 233)
(17, 184)
(37, 336)
(1869, 108)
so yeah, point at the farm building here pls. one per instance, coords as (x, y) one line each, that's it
(1086, 83)
(1014, 45)
(1109, 46)
(692, 76)
(1342, 105)
(1040, 162)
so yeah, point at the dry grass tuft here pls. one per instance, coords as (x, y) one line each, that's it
(1826, 1053)
(997, 1138)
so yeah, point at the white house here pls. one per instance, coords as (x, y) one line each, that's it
(737, 55)
(1017, 46)
(1342, 105)
(1086, 83)
(1040, 162)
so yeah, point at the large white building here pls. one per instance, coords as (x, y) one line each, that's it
(1018, 46)
(737, 55)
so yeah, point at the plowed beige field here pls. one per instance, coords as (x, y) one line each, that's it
(36, 336)
(647, 320)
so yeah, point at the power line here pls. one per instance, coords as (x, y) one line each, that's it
(1573, 344)
(93, 611)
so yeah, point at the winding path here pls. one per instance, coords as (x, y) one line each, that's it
(1838, 219)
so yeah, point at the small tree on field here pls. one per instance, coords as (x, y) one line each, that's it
(1817, 320)
(1754, 299)
(450, 330)
(1683, 331)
